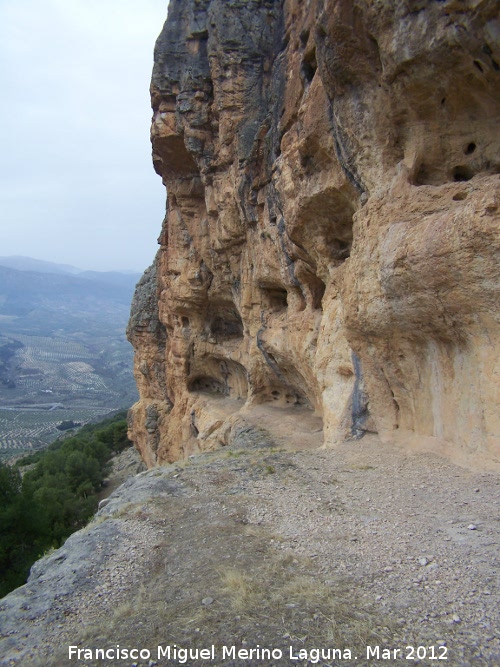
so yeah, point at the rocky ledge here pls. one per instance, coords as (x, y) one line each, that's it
(256, 545)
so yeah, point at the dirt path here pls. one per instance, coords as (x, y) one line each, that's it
(258, 547)
(291, 428)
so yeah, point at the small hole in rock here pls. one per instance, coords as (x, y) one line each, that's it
(207, 384)
(478, 65)
(309, 66)
(462, 173)
(275, 299)
(423, 176)
(227, 326)
(470, 148)
(185, 322)
(342, 251)
(304, 36)
(460, 196)
(318, 292)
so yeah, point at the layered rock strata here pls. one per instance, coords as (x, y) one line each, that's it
(331, 236)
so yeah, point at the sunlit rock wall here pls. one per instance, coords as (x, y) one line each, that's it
(331, 236)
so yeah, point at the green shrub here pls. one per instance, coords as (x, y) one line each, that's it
(55, 498)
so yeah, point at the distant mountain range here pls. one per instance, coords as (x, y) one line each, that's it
(20, 263)
(29, 264)
(55, 297)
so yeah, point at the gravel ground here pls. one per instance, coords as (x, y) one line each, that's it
(260, 548)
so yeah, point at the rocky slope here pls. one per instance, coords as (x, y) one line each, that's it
(331, 237)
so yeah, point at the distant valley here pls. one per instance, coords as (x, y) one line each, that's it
(63, 351)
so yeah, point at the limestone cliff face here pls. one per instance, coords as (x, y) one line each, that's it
(331, 237)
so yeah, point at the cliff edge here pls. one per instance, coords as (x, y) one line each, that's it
(252, 546)
(330, 246)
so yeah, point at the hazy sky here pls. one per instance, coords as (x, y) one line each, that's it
(77, 184)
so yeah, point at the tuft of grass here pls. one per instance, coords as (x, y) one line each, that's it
(127, 509)
(239, 589)
(301, 600)
(96, 521)
(124, 610)
(232, 454)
